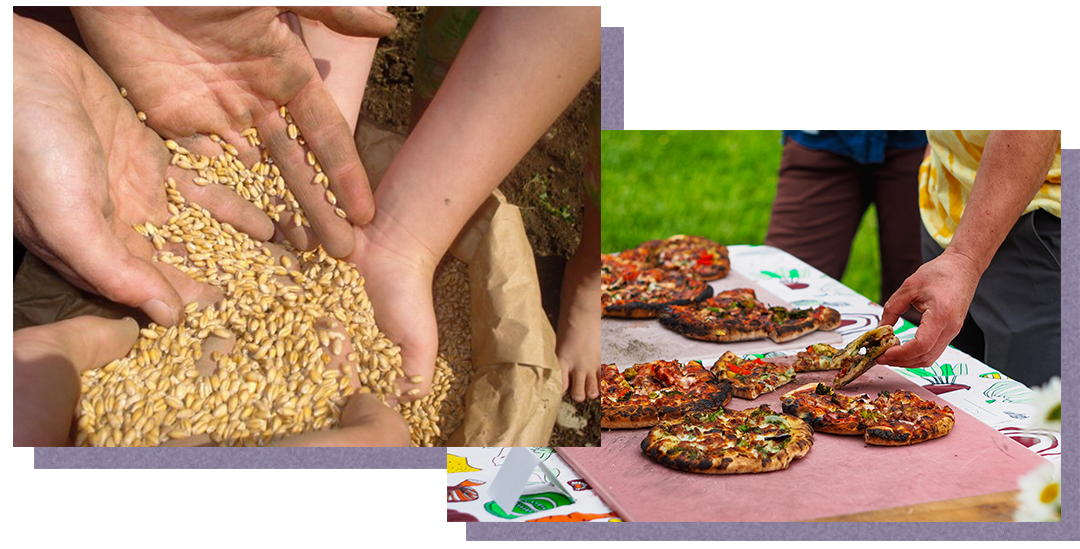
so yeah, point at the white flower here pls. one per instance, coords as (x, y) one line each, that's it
(1040, 495)
(1047, 406)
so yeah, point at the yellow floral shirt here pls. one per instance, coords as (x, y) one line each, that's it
(946, 177)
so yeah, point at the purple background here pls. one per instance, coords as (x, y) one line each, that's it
(611, 79)
(239, 458)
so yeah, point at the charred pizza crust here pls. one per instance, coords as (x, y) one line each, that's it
(729, 442)
(737, 315)
(645, 293)
(648, 393)
(730, 316)
(788, 324)
(908, 419)
(751, 378)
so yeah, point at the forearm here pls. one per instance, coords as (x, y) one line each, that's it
(516, 72)
(344, 63)
(1012, 169)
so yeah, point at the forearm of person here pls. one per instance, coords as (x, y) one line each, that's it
(1012, 169)
(516, 72)
(344, 63)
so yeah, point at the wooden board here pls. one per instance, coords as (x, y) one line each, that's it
(841, 474)
(626, 342)
(998, 507)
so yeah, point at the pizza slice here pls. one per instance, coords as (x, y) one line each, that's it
(788, 324)
(862, 354)
(828, 411)
(817, 357)
(905, 418)
(645, 293)
(737, 315)
(729, 442)
(751, 378)
(647, 393)
(730, 316)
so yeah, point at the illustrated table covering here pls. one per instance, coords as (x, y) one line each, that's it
(956, 377)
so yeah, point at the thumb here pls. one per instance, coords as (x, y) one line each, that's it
(109, 267)
(86, 342)
(351, 21)
(897, 304)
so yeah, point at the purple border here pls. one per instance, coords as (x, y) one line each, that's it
(704, 531)
(239, 458)
(611, 79)
(1067, 530)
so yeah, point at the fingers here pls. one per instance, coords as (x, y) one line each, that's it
(107, 265)
(578, 385)
(592, 384)
(929, 342)
(328, 135)
(351, 21)
(224, 203)
(333, 232)
(898, 304)
(47, 362)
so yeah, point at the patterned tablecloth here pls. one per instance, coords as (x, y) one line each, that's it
(956, 377)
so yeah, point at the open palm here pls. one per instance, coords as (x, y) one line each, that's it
(224, 70)
(86, 171)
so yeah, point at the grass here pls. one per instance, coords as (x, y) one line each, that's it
(719, 185)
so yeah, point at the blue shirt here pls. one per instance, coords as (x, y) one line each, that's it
(862, 146)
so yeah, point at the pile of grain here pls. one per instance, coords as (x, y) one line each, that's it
(292, 340)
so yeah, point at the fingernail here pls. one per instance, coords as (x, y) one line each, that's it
(160, 312)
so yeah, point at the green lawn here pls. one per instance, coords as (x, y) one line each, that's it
(718, 185)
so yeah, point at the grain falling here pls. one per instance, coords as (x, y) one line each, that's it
(280, 355)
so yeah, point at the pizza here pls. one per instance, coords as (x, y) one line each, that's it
(737, 315)
(728, 442)
(788, 324)
(905, 419)
(641, 281)
(896, 418)
(853, 360)
(645, 293)
(691, 254)
(751, 378)
(816, 358)
(862, 354)
(645, 394)
(828, 411)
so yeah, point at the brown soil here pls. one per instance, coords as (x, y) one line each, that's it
(546, 184)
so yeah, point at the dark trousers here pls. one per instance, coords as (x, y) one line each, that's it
(1014, 322)
(821, 198)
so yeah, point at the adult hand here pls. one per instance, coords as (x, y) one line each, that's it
(398, 273)
(86, 171)
(47, 362)
(942, 290)
(224, 70)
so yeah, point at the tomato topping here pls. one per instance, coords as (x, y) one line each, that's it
(738, 369)
(705, 258)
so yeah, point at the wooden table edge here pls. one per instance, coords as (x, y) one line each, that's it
(995, 507)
